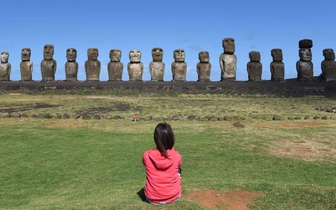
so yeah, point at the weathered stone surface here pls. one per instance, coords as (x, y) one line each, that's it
(5, 115)
(304, 66)
(5, 67)
(179, 67)
(333, 117)
(48, 116)
(254, 67)
(66, 116)
(92, 65)
(203, 67)
(324, 118)
(306, 118)
(306, 43)
(71, 66)
(96, 117)
(135, 67)
(26, 66)
(16, 115)
(228, 60)
(48, 64)
(157, 67)
(229, 45)
(108, 117)
(40, 115)
(117, 117)
(328, 66)
(277, 67)
(115, 67)
(191, 117)
(316, 117)
(276, 117)
(24, 115)
(175, 117)
(86, 117)
(76, 116)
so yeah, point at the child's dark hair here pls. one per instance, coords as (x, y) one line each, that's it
(164, 138)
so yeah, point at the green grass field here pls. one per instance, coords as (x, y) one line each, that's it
(96, 164)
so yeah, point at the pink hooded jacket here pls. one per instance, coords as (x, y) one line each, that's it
(162, 178)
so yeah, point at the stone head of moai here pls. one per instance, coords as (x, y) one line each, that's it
(305, 43)
(229, 45)
(305, 54)
(4, 57)
(276, 54)
(254, 56)
(157, 54)
(115, 55)
(179, 55)
(71, 54)
(135, 56)
(25, 54)
(329, 54)
(48, 51)
(92, 54)
(204, 57)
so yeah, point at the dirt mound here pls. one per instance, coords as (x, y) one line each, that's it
(223, 200)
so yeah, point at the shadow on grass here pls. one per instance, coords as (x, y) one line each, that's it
(142, 196)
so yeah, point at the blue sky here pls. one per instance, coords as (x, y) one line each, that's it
(258, 25)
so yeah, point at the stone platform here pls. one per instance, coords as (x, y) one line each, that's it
(287, 88)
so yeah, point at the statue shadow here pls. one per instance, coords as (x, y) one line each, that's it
(142, 196)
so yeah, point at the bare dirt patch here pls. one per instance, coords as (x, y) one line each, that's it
(223, 200)
(304, 150)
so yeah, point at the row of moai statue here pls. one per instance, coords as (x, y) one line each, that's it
(135, 68)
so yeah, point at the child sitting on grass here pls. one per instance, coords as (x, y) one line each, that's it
(162, 168)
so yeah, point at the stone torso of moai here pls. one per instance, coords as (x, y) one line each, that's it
(203, 67)
(48, 64)
(304, 66)
(228, 60)
(26, 66)
(92, 65)
(135, 67)
(254, 67)
(115, 67)
(157, 67)
(5, 67)
(179, 67)
(71, 66)
(328, 66)
(277, 67)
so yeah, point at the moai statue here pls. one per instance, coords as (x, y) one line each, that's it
(228, 60)
(115, 67)
(5, 67)
(135, 67)
(254, 67)
(92, 65)
(26, 66)
(328, 66)
(277, 67)
(179, 67)
(304, 66)
(48, 64)
(71, 66)
(203, 67)
(157, 67)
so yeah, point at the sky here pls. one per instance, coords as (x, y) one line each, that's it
(194, 26)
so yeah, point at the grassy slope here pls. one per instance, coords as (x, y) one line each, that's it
(77, 164)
